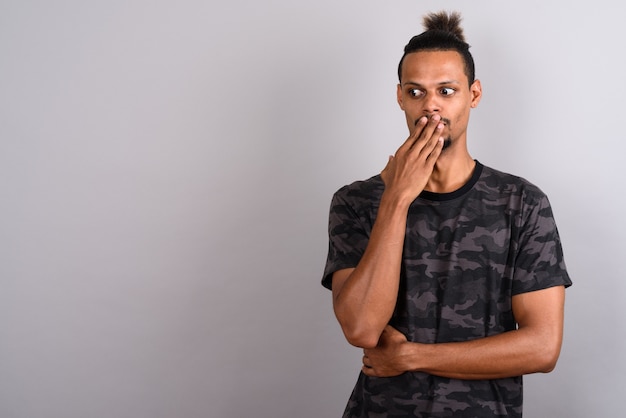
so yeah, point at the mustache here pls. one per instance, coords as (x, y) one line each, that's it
(445, 121)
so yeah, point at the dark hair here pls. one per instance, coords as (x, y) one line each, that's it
(443, 33)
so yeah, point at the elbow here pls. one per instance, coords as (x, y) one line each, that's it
(362, 342)
(547, 358)
(359, 330)
(361, 337)
(548, 363)
(546, 368)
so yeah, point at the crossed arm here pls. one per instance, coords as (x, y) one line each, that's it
(533, 347)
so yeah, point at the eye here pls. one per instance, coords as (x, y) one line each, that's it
(447, 91)
(416, 92)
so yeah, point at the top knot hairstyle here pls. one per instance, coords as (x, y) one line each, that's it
(443, 33)
(450, 23)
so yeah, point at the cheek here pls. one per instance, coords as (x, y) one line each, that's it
(410, 117)
(461, 118)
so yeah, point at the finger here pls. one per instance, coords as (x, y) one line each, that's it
(390, 330)
(368, 371)
(435, 151)
(430, 131)
(420, 124)
(393, 335)
(434, 142)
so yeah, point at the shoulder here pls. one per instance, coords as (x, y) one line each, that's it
(361, 192)
(510, 185)
(516, 196)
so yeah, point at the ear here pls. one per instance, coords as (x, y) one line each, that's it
(399, 96)
(476, 92)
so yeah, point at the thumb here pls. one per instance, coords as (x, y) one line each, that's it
(393, 333)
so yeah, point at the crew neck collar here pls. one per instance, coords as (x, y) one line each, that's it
(441, 197)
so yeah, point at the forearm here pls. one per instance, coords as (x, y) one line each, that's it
(366, 299)
(509, 354)
(533, 347)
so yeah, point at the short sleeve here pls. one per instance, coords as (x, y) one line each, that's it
(539, 262)
(347, 237)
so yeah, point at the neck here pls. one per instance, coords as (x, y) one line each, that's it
(451, 172)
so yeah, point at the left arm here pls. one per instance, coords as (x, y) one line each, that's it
(533, 347)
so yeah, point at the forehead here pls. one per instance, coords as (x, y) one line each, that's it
(433, 66)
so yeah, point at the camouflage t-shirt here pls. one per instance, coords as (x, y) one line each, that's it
(466, 253)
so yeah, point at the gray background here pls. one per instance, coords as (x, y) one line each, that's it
(165, 175)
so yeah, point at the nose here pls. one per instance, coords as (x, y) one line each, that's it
(430, 104)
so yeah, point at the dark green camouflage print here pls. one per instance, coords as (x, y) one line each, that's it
(466, 253)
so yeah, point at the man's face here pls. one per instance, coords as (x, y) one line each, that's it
(434, 82)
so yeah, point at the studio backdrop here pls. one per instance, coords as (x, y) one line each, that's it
(166, 170)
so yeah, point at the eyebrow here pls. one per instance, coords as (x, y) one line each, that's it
(441, 83)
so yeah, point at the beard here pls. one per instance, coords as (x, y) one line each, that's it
(446, 143)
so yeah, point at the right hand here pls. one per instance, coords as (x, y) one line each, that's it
(386, 359)
(408, 171)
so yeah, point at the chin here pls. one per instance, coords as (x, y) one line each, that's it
(446, 143)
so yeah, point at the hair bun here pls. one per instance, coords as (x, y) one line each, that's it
(447, 22)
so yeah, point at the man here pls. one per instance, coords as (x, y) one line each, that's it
(449, 274)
